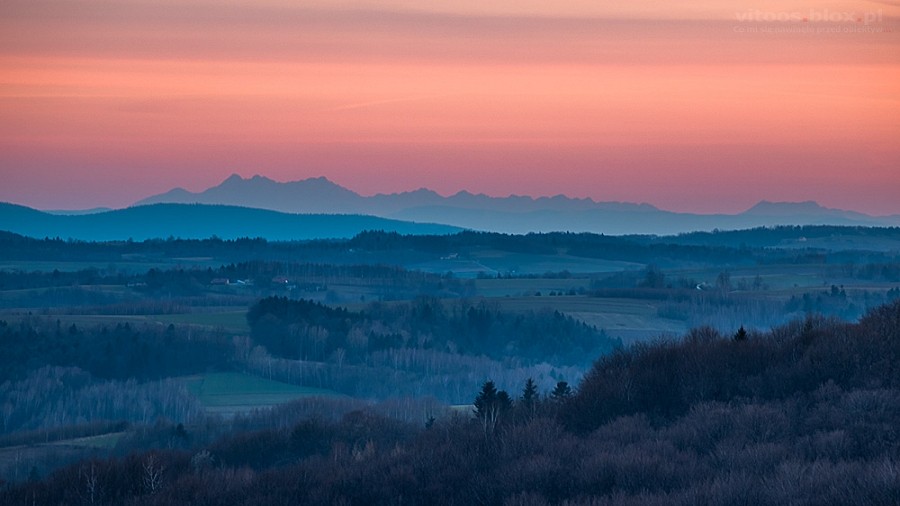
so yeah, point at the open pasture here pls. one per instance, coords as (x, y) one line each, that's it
(532, 264)
(489, 262)
(513, 287)
(130, 266)
(227, 319)
(232, 392)
(103, 441)
(628, 319)
(776, 277)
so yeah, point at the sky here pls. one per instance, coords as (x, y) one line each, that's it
(710, 107)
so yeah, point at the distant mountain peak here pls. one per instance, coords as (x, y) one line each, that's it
(769, 208)
(419, 192)
(177, 194)
(320, 181)
(256, 178)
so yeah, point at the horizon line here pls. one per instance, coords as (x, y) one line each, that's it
(102, 208)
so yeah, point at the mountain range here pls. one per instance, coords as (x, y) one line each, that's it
(513, 214)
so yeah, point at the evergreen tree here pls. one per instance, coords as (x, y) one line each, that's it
(490, 406)
(529, 398)
(562, 391)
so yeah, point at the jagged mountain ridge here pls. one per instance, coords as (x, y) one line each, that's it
(320, 195)
(513, 214)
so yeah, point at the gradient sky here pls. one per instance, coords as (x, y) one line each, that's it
(707, 108)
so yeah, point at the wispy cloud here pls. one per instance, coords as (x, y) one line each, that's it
(375, 103)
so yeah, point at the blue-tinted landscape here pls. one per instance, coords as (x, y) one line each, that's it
(493, 252)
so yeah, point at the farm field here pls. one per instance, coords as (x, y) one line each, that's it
(772, 276)
(630, 320)
(528, 264)
(131, 267)
(227, 319)
(843, 242)
(25, 296)
(493, 287)
(102, 441)
(494, 262)
(16, 461)
(229, 393)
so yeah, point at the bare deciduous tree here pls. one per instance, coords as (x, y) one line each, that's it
(153, 474)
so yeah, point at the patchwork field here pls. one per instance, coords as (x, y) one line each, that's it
(628, 319)
(103, 441)
(227, 319)
(230, 393)
(17, 461)
(519, 287)
(134, 266)
(493, 262)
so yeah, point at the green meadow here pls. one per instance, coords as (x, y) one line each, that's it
(233, 392)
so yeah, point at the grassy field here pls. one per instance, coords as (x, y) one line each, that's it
(17, 461)
(227, 319)
(116, 291)
(230, 392)
(103, 441)
(527, 264)
(132, 267)
(493, 262)
(628, 319)
(772, 276)
(844, 242)
(518, 287)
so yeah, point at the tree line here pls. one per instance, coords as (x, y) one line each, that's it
(376, 247)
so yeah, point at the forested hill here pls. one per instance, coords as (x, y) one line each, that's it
(312, 331)
(667, 379)
(194, 221)
(826, 237)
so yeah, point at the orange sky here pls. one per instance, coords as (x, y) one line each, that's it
(708, 108)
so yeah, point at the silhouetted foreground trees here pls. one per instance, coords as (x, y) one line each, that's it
(806, 414)
(666, 379)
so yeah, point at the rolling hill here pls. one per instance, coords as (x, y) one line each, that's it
(196, 221)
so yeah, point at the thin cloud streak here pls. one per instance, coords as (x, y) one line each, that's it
(278, 34)
(374, 103)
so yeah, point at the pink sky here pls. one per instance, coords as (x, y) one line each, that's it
(707, 109)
